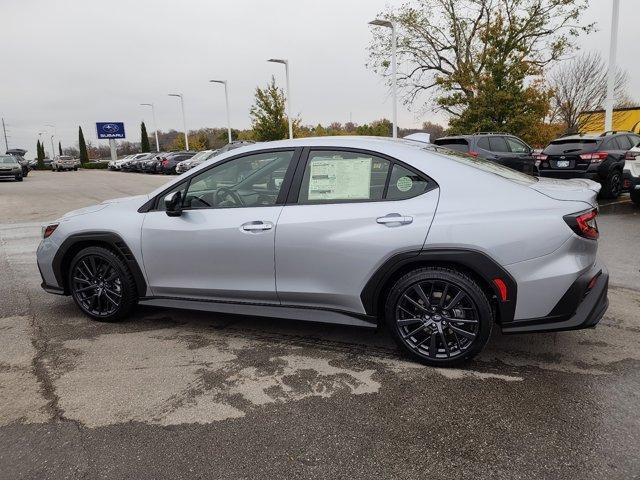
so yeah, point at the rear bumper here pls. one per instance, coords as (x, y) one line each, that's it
(591, 304)
(567, 174)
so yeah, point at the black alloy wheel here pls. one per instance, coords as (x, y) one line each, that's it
(439, 316)
(101, 284)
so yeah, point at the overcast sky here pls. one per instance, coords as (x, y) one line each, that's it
(75, 62)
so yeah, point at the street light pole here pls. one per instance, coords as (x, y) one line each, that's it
(155, 125)
(55, 133)
(394, 68)
(226, 97)
(184, 120)
(286, 70)
(611, 74)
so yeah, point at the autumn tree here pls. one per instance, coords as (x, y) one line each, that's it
(479, 54)
(268, 117)
(580, 85)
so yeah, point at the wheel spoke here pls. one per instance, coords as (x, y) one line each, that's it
(443, 339)
(84, 289)
(408, 321)
(414, 303)
(444, 295)
(106, 295)
(462, 332)
(455, 300)
(412, 333)
(460, 320)
(422, 295)
(433, 348)
(78, 279)
(92, 262)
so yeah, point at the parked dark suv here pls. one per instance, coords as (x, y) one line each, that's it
(596, 157)
(502, 148)
(169, 161)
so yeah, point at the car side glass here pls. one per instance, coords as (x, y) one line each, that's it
(623, 142)
(484, 143)
(517, 146)
(181, 187)
(498, 144)
(405, 184)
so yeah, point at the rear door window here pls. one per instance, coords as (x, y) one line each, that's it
(337, 176)
(483, 143)
(404, 184)
(623, 142)
(498, 144)
(635, 140)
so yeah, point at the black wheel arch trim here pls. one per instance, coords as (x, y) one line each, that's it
(475, 261)
(113, 240)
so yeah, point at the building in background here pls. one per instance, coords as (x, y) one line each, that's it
(623, 119)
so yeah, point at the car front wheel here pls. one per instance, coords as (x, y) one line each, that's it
(102, 285)
(438, 316)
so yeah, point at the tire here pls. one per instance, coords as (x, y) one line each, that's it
(635, 197)
(75, 169)
(18, 178)
(459, 331)
(612, 185)
(102, 285)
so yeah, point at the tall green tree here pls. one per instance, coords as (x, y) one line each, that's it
(268, 117)
(144, 138)
(40, 156)
(60, 148)
(458, 55)
(82, 145)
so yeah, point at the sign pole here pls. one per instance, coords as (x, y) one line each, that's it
(112, 145)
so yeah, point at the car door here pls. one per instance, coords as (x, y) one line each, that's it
(347, 213)
(520, 157)
(221, 247)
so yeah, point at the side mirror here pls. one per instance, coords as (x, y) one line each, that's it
(173, 204)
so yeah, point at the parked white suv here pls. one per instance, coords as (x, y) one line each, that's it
(631, 174)
(64, 162)
(434, 244)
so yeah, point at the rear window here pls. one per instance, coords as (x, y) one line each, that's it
(571, 145)
(458, 144)
(488, 166)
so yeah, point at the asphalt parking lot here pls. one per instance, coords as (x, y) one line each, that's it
(176, 394)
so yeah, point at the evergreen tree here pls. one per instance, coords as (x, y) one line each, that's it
(40, 156)
(60, 148)
(144, 138)
(84, 155)
(268, 117)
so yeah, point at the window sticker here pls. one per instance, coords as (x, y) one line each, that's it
(335, 178)
(404, 184)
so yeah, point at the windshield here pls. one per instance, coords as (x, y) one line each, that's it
(570, 145)
(485, 165)
(8, 160)
(201, 156)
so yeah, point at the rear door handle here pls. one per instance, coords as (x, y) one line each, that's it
(256, 226)
(394, 218)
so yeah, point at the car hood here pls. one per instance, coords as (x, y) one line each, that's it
(96, 208)
(576, 189)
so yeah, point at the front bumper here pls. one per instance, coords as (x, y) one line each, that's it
(10, 173)
(590, 306)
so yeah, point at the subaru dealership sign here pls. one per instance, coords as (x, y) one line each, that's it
(110, 130)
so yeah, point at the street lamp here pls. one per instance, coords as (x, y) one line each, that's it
(184, 121)
(226, 97)
(55, 133)
(286, 69)
(611, 74)
(394, 86)
(155, 125)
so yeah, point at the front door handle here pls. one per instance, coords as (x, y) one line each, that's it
(394, 218)
(256, 226)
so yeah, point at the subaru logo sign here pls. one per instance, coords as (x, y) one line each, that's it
(110, 130)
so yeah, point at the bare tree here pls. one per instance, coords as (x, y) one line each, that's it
(443, 46)
(579, 86)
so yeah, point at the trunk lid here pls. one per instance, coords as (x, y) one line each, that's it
(576, 189)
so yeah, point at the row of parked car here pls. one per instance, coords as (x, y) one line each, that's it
(608, 158)
(169, 163)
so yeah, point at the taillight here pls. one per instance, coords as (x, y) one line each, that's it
(631, 155)
(165, 162)
(595, 157)
(584, 224)
(473, 154)
(540, 156)
(48, 230)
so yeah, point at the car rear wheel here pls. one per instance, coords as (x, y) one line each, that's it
(102, 285)
(438, 316)
(612, 186)
(635, 197)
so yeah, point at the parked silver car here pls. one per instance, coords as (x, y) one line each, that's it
(9, 167)
(64, 162)
(434, 244)
(194, 161)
